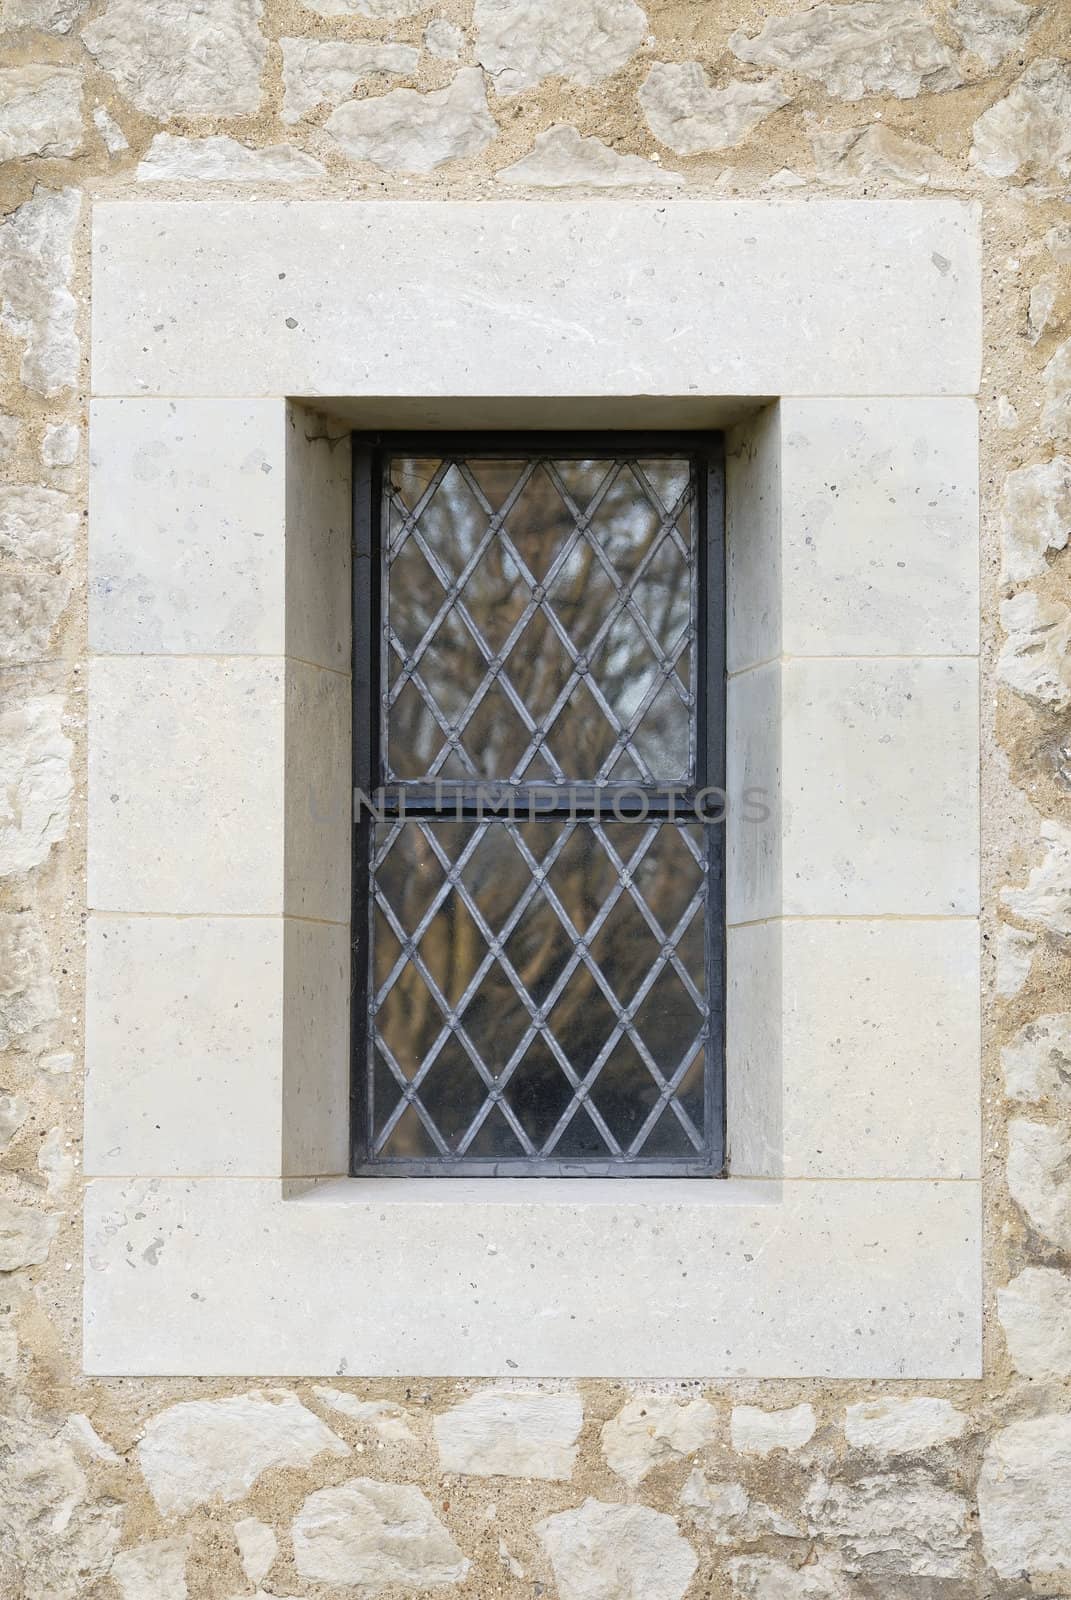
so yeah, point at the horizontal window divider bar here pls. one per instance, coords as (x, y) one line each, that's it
(632, 803)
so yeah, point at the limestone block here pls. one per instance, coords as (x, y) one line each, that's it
(35, 780)
(48, 16)
(860, 155)
(40, 112)
(115, 140)
(1035, 659)
(616, 1552)
(993, 29)
(172, 59)
(1056, 378)
(378, 1535)
(754, 1431)
(59, 444)
(1042, 299)
(1037, 1061)
(1015, 954)
(1039, 1160)
(36, 304)
(326, 71)
(864, 47)
(443, 39)
(29, 1004)
(891, 1426)
(31, 603)
(379, 10)
(560, 158)
(1028, 133)
(220, 159)
(685, 113)
(258, 1548)
(1046, 899)
(13, 1113)
(766, 1578)
(26, 1235)
(1035, 1313)
(60, 1538)
(654, 1429)
(412, 132)
(499, 1433)
(199, 1450)
(384, 1417)
(880, 787)
(37, 525)
(521, 42)
(1036, 517)
(154, 1571)
(726, 1513)
(893, 1525)
(1023, 1493)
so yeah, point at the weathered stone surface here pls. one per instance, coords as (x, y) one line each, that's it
(36, 304)
(520, 42)
(993, 29)
(893, 1525)
(726, 1513)
(173, 59)
(377, 1535)
(35, 781)
(1046, 899)
(1035, 1313)
(59, 1541)
(685, 113)
(890, 1426)
(1037, 1061)
(443, 39)
(1028, 133)
(380, 10)
(40, 112)
(47, 16)
(13, 1113)
(653, 1429)
(1056, 376)
(29, 1003)
(1040, 304)
(502, 1433)
(56, 1161)
(220, 159)
(59, 444)
(37, 525)
(757, 1432)
(31, 603)
(561, 159)
(864, 47)
(614, 1552)
(200, 1449)
(1039, 1165)
(155, 1571)
(326, 71)
(1035, 659)
(1015, 954)
(1036, 517)
(862, 154)
(765, 1578)
(258, 1548)
(10, 436)
(26, 1235)
(388, 1419)
(115, 140)
(413, 132)
(1023, 1493)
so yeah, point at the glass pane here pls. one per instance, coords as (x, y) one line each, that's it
(498, 1028)
(540, 619)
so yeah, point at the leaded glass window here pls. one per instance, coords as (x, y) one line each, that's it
(538, 694)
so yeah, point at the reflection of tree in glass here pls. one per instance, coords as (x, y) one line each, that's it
(626, 528)
(539, 948)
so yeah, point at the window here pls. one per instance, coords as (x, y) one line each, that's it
(538, 708)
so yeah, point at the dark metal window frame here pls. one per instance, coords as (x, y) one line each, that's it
(369, 453)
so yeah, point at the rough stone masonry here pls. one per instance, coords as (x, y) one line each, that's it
(126, 1490)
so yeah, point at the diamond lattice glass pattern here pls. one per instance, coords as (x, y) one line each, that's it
(540, 620)
(539, 991)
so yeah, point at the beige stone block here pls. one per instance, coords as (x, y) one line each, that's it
(880, 804)
(186, 784)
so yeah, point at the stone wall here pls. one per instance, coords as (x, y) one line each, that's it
(124, 1489)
